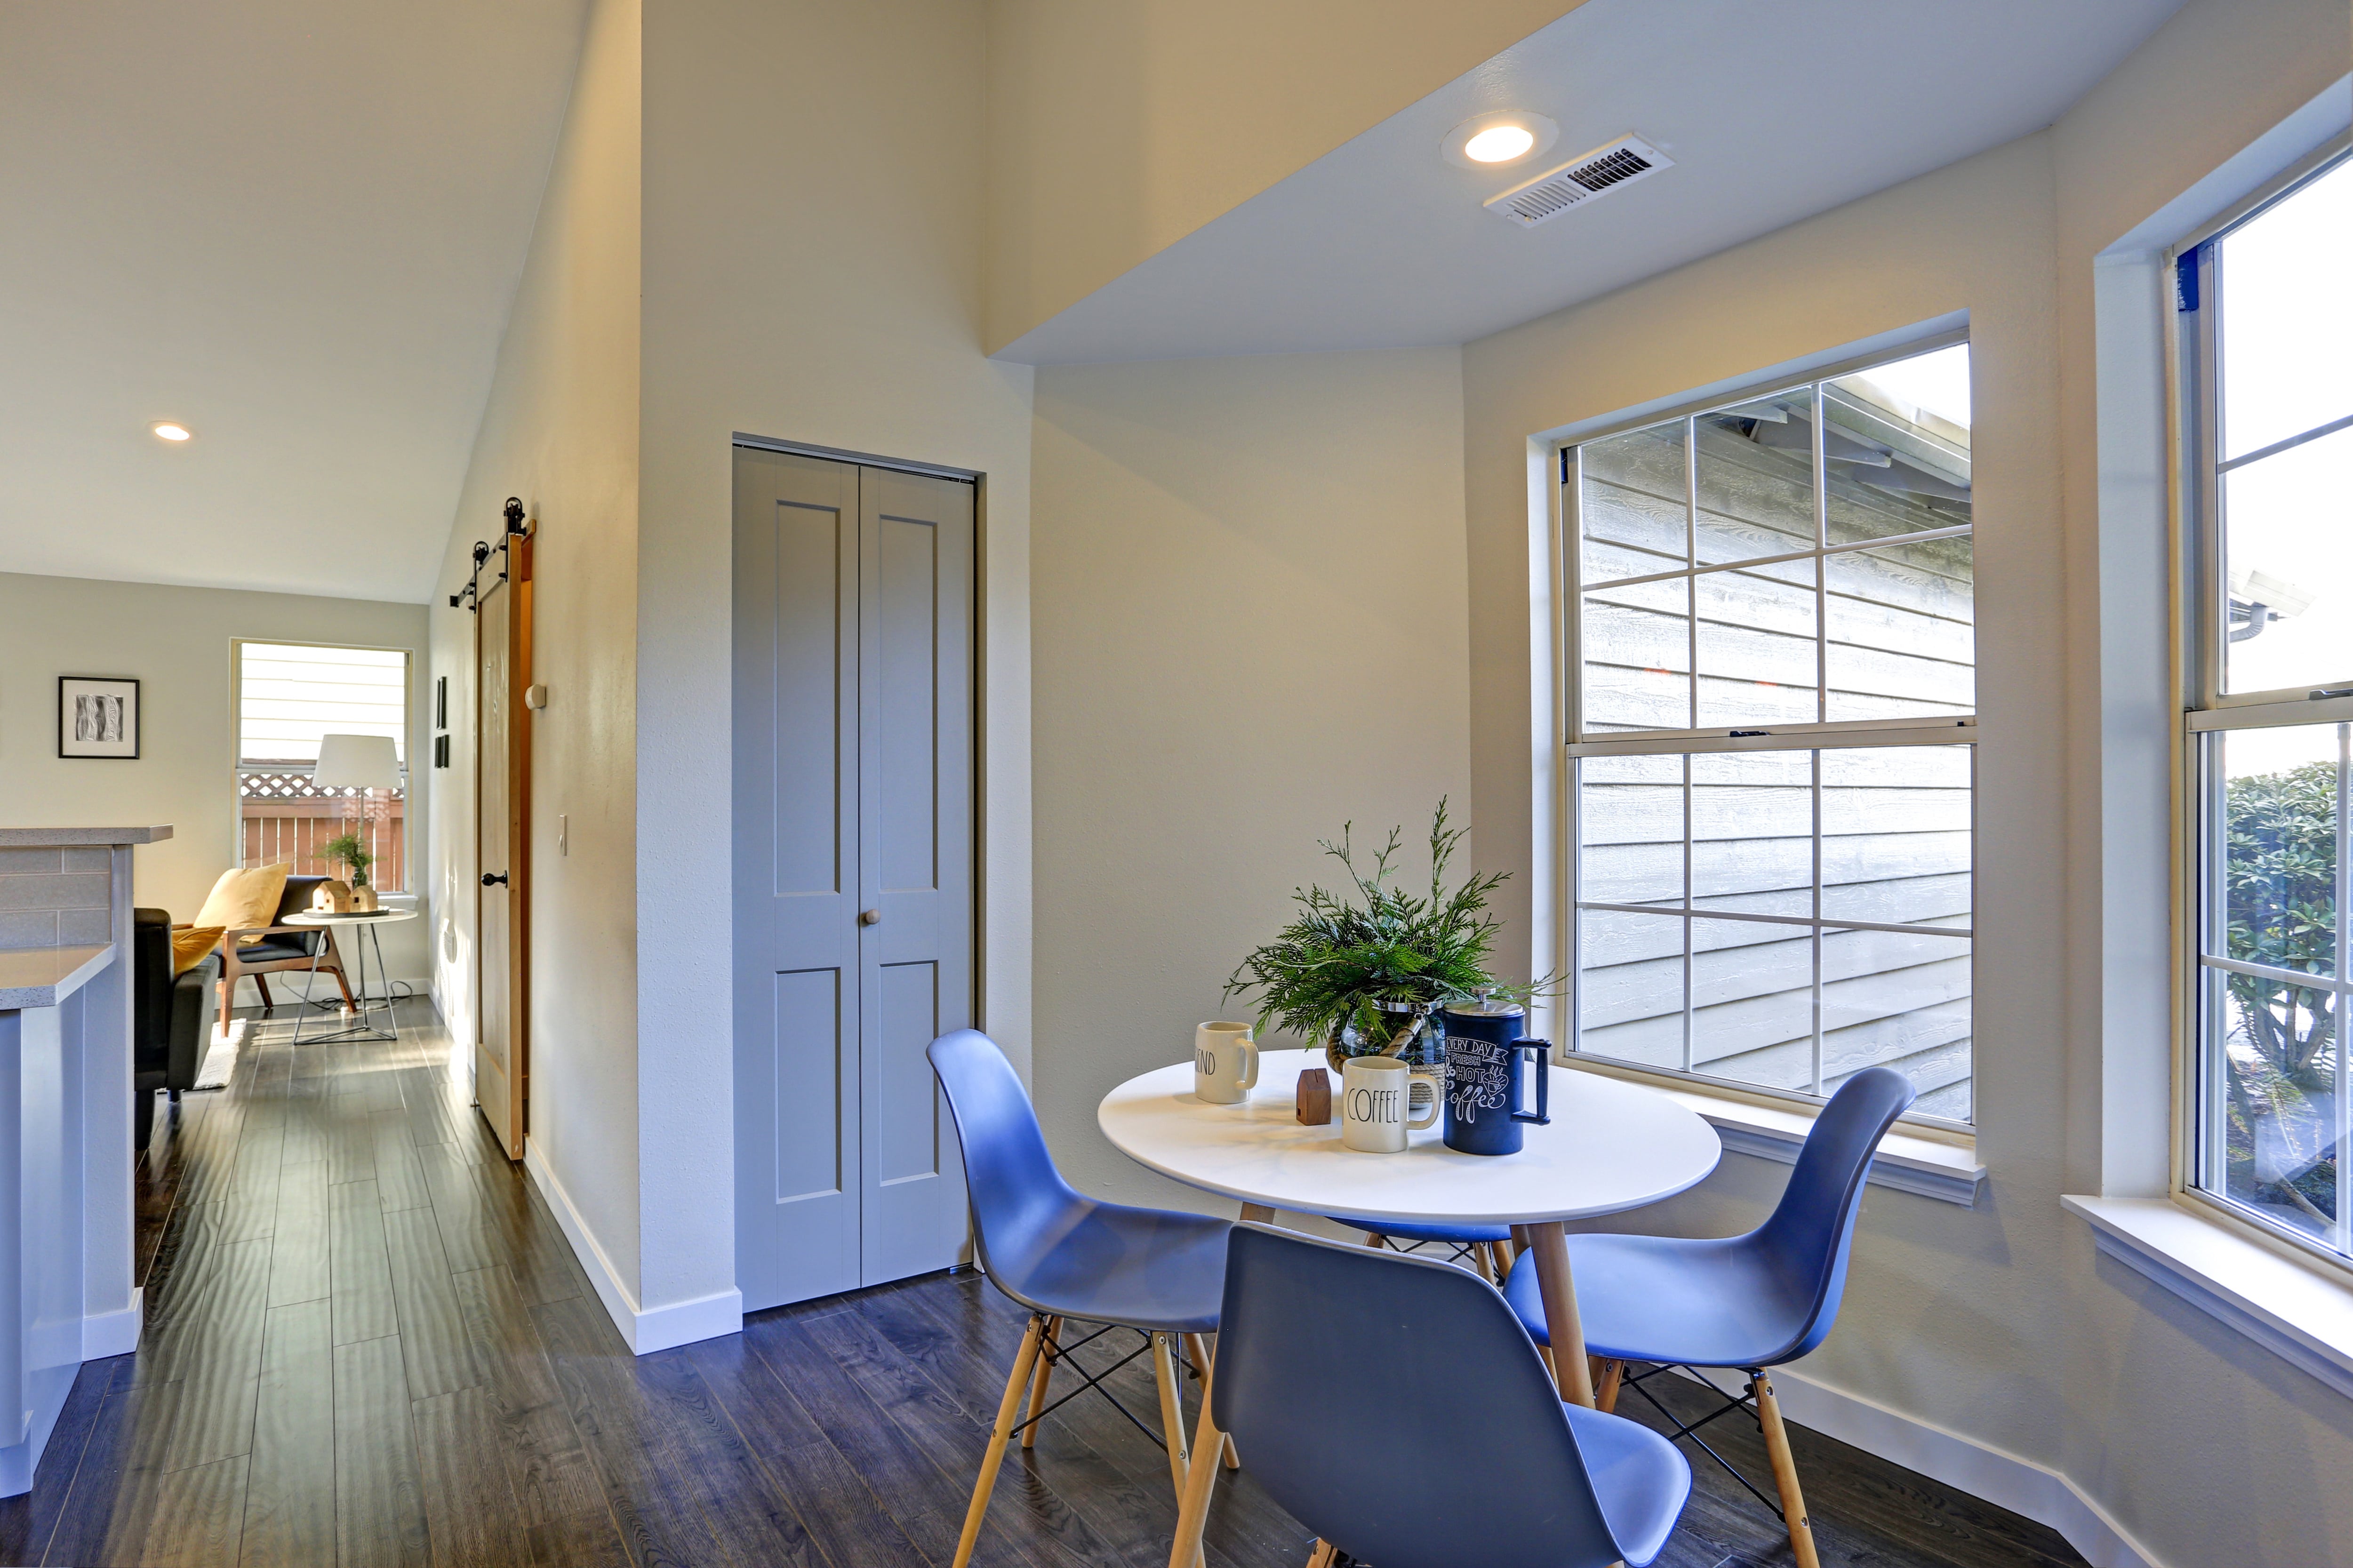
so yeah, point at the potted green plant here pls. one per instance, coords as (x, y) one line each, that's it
(1363, 969)
(346, 850)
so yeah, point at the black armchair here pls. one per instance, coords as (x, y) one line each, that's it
(168, 1014)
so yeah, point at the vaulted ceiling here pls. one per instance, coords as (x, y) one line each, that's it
(294, 228)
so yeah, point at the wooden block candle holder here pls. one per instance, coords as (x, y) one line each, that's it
(1314, 1098)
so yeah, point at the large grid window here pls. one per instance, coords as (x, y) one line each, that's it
(2267, 360)
(289, 696)
(1772, 700)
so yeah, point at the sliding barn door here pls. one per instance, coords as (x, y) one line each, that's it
(853, 869)
(503, 844)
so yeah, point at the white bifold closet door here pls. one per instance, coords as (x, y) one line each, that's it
(853, 886)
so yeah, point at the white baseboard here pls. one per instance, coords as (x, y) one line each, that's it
(659, 1328)
(116, 1333)
(1985, 1472)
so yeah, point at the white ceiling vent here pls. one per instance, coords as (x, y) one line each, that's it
(1621, 162)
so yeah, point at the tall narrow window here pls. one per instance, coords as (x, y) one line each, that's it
(1773, 698)
(2267, 354)
(289, 695)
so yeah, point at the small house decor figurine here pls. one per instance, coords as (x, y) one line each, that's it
(347, 850)
(331, 896)
(1314, 1098)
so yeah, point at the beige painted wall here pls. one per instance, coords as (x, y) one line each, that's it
(1117, 127)
(1249, 620)
(812, 273)
(561, 431)
(175, 642)
(1995, 1323)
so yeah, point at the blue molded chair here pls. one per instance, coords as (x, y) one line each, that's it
(1338, 1364)
(1484, 1246)
(1066, 1255)
(1747, 1301)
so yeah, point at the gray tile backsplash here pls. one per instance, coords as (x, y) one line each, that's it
(50, 897)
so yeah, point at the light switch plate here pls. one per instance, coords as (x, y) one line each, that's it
(563, 833)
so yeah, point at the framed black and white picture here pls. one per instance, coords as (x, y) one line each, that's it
(97, 716)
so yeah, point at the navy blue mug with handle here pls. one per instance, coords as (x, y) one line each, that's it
(1486, 1111)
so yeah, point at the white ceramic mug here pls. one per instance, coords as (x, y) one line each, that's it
(1225, 1062)
(1375, 1101)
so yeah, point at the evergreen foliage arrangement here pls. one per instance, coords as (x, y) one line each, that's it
(346, 850)
(1328, 972)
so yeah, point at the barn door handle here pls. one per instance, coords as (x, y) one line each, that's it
(869, 917)
(490, 882)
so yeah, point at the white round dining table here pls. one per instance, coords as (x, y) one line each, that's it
(1611, 1146)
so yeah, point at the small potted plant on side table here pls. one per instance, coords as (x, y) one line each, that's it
(346, 850)
(1366, 970)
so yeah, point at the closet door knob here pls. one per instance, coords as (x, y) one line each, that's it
(499, 880)
(869, 917)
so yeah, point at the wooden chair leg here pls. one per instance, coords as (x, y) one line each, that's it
(1605, 1397)
(1323, 1555)
(1200, 1481)
(228, 990)
(1172, 1412)
(1050, 1343)
(1376, 1240)
(261, 984)
(1785, 1471)
(1199, 1348)
(1007, 1408)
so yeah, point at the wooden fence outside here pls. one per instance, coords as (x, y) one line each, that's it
(288, 819)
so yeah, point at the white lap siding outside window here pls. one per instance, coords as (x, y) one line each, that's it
(1772, 709)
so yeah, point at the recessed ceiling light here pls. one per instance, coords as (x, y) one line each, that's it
(1492, 141)
(171, 432)
(1499, 144)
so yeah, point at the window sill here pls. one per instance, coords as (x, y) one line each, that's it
(1944, 1168)
(2297, 1312)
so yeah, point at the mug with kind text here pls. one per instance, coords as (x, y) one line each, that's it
(1225, 1062)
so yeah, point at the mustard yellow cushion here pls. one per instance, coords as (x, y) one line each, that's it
(245, 899)
(190, 947)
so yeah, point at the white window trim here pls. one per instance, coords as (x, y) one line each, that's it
(2203, 706)
(2296, 1307)
(413, 846)
(2284, 1295)
(1917, 1157)
(1553, 541)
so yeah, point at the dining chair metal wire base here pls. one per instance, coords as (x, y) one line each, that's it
(1756, 1398)
(1042, 1351)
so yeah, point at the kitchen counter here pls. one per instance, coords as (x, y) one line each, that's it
(44, 976)
(79, 838)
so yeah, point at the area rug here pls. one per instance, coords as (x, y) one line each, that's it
(220, 1060)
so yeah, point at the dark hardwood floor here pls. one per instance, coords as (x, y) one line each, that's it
(367, 1344)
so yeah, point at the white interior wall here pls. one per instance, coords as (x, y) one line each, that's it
(1249, 598)
(560, 430)
(175, 642)
(812, 273)
(1993, 1323)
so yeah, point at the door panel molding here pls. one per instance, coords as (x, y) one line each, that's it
(854, 726)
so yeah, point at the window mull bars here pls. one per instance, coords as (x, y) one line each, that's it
(469, 596)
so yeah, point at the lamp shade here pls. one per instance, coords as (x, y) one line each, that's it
(356, 762)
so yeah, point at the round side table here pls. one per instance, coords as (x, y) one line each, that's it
(363, 1029)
